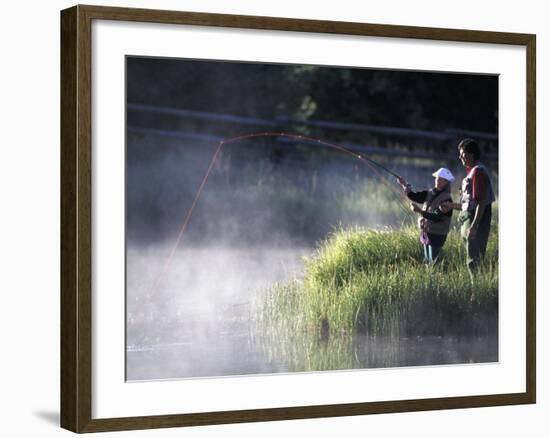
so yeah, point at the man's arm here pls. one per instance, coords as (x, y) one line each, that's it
(480, 194)
(478, 215)
(438, 215)
(448, 206)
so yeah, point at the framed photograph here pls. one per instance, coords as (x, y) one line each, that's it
(269, 218)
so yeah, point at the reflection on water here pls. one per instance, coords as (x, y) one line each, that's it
(200, 323)
(237, 355)
(427, 350)
(362, 351)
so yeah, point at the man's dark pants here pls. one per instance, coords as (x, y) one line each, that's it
(475, 248)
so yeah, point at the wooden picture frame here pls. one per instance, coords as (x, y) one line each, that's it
(76, 218)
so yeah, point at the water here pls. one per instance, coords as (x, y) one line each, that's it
(198, 322)
(234, 354)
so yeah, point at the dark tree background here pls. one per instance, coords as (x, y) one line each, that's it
(178, 110)
(402, 99)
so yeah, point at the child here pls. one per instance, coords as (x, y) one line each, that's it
(434, 224)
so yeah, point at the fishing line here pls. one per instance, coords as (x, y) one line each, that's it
(371, 163)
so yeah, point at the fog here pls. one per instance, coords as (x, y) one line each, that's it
(198, 321)
(192, 314)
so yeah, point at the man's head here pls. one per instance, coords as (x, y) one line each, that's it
(468, 152)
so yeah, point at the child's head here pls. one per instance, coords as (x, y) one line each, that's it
(443, 177)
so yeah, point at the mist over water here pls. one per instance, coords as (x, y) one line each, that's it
(198, 321)
(193, 315)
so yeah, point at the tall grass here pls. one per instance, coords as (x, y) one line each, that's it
(374, 282)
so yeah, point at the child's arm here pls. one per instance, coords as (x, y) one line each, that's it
(419, 197)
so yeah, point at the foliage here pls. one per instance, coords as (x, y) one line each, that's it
(374, 282)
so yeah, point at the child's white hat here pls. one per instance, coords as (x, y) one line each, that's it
(444, 173)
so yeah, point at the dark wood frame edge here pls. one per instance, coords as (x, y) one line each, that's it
(76, 340)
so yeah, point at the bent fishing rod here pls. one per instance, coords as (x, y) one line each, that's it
(224, 142)
(379, 165)
(312, 140)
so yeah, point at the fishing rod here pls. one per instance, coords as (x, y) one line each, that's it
(379, 165)
(313, 140)
(224, 142)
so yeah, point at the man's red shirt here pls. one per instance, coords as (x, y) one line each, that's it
(480, 184)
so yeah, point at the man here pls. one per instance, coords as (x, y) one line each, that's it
(477, 195)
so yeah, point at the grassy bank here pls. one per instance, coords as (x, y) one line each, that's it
(373, 282)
